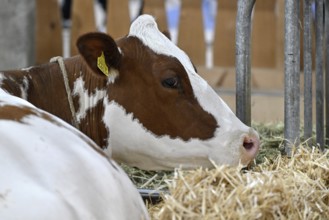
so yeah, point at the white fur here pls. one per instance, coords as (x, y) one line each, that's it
(7, 99)
(24, 87)
(27, 69)
(2, 77)
(86, 101)
(163, 152)
(50, 171)
(114, 73)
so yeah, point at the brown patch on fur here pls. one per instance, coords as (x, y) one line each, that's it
(163, 111)
(94, 126)
(15, 113)
(12, 84)
(47, 92)
(18, 113)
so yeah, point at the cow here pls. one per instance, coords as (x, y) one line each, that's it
(50, 170)
(140, 96)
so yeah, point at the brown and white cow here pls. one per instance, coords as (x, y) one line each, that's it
(142, 97)
(50, 170)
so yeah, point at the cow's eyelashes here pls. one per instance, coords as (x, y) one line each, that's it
(171, 83)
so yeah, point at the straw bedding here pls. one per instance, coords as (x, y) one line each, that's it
(285, 188)
(276, 187)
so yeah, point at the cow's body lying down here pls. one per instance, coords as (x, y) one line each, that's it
(140, 96)
(49, 170)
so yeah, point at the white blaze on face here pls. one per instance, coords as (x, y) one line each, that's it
(86, 101)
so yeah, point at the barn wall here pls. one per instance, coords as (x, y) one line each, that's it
(16, 33)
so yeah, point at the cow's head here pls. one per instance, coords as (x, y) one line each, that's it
(159, 112)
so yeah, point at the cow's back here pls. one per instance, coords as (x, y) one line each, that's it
(49, 170)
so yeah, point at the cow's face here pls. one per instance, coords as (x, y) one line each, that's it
(159, 112)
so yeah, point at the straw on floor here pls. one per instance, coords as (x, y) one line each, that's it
(283, 188)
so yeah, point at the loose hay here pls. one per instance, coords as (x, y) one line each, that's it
(148, 179)
(286, 188)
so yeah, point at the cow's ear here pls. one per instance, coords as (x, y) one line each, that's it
(100, 52)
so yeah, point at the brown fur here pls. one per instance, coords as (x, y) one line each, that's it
(163, 111)
(46, 91)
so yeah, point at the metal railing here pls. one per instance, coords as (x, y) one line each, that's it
(292, 53)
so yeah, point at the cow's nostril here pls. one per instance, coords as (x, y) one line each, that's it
(248, 143)
(250, 147)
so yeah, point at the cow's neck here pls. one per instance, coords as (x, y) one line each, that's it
(89, 91)
(44, 87)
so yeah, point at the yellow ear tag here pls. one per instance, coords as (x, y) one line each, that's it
(101, 64)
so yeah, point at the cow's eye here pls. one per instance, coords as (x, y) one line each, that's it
(170, 82)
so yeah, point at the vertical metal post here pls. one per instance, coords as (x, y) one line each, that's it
(307, 71)
(326, 31)
(292, 77)
(319, 73)
(242, 56)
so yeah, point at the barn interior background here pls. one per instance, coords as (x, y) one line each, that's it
(34, 31)
(204, 29)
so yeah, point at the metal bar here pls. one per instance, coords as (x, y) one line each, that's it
(326, 31)
(151, 196)
(291, 67)
(308, 72)
(319, 73)
(242, 56)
